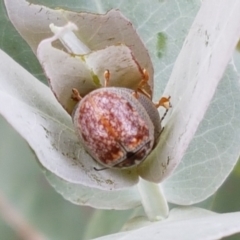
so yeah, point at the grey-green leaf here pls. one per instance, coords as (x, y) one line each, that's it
(187, 224)
(31, 108)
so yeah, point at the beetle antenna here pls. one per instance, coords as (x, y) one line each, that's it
(100, 169)
(164, 115)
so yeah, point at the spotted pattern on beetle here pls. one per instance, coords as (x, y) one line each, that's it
(114, 127)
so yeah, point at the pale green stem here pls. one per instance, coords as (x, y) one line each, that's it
(68, 38)
(153, 200)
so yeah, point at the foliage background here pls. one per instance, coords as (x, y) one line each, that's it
(23, 184)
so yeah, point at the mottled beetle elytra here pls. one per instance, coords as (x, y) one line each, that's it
(118, 126)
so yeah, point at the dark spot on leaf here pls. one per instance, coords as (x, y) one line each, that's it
(161, 44)
(238, 46)
(108, 181)
(95, 177)
(164, 166)
(207, 38)
(168, 160)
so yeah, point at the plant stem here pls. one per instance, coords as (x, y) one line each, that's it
(153, 200)
(68, 38)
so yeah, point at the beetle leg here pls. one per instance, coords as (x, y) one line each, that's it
(100, 169)
(76, 95)
(145, 79)
(164, 102)
(106, 77)
(135, 94)
(143, 82)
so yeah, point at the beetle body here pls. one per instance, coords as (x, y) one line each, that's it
(117, 129)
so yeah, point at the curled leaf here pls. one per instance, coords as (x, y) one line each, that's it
(96, 31)
(86, 72)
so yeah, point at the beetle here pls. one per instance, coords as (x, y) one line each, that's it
(117, 126)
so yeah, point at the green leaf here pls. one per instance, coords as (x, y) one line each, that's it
(33, 110)
(81, 195)
(187, 224)
(16, 47)
(214, 150)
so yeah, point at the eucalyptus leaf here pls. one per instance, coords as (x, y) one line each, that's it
(96, 31)
(86, 72)
(187, 224)
(176, 214)
(73, 74)
(214, 151)
(15, 46)
(193, 82)
(93, 197)
(33, 110)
